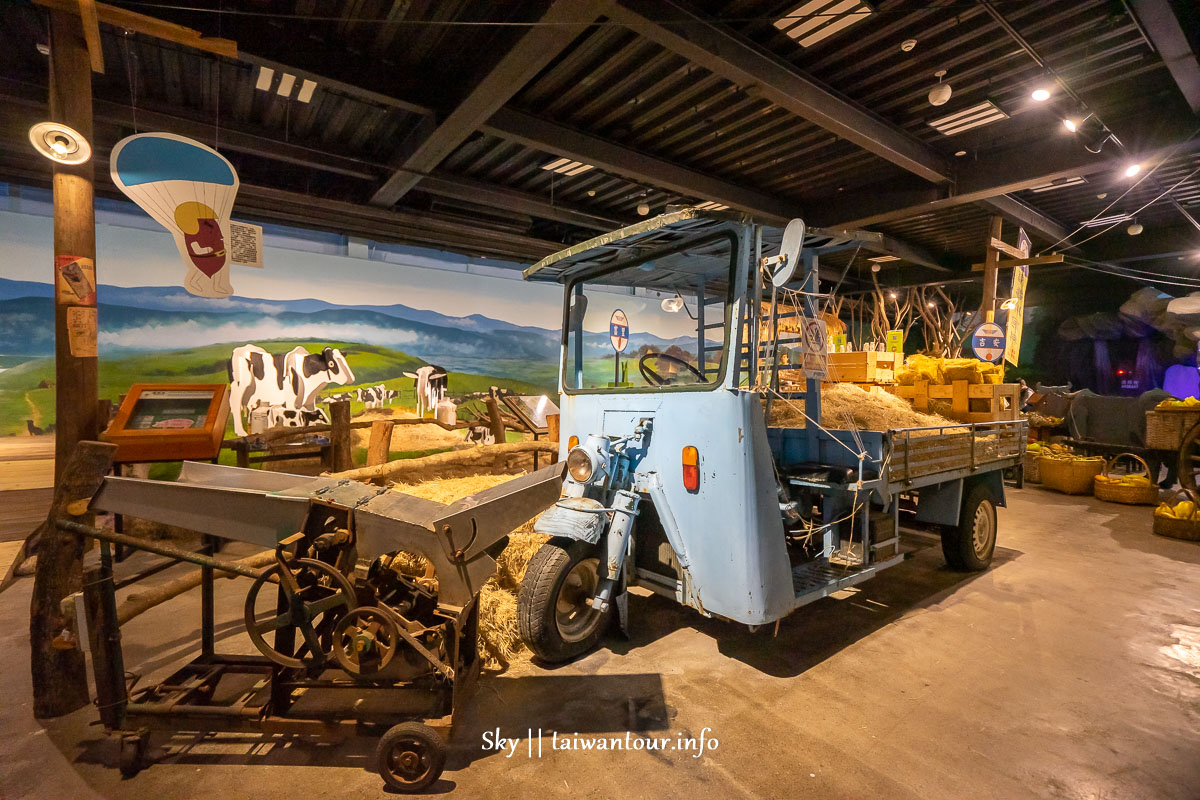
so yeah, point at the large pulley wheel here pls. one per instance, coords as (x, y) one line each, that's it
(315, 597)
(1189, 461)
(365, 640)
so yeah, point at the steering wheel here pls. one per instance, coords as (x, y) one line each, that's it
(654, 379)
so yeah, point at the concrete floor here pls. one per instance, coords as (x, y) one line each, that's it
(1070, 669)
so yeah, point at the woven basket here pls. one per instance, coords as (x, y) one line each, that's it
(1166, 427)
(1121, 493)
(1069, 475)
(1188, 529)
(1032, 473)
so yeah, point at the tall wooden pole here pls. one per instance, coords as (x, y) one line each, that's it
(76, 395)
(59, 677)
(991, 270)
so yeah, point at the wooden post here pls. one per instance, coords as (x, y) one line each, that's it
(379, 446)
(59, 676)
(552, 434)
(76, 397)
(990, 271)
(339, 418)
(495, 421)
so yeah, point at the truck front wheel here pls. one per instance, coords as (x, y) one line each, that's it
(969, 545)
(555, 619)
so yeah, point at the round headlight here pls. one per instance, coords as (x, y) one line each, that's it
(579, 464)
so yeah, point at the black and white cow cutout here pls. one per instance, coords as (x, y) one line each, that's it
(289, 381)
(430, 382)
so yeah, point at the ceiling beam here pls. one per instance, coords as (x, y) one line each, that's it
(26, 95)
(1034, 221)
(488, 194)
(149, 26)
(618, 159)
(1011, 171)
(562, 23)
(735, 58)
(1166, 35)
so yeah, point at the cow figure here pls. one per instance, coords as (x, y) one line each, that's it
(430, 382)
(479, 434)
(280, 417)
(291, 380)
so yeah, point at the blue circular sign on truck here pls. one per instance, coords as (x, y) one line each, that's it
(988, 342)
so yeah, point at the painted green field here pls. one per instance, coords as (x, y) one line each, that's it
(21, 399)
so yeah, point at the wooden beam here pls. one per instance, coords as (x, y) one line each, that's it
(150, 26)
(1167, 35)
(1033, 261)
(91, 34)
(562, 23)
(987, 307)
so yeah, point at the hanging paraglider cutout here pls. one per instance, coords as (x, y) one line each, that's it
(189, 189)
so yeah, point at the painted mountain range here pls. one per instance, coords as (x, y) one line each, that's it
(158, 318)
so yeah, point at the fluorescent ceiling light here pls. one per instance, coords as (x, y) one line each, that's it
(306, 90)
(711, 205)
(286, 81)
(265, 76)
(1102, 221)
(884, 259)
(819, 19)
(973, 117)
(1058, 184)
(565, 166)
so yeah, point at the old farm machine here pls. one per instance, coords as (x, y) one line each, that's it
(347, 641)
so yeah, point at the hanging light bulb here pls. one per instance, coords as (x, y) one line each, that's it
(672, 305)
(643, 209)
(892, 295)
(939, 95)
(1134, 228)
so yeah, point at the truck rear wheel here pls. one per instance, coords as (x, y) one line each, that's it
(553, 614)
(969, 545)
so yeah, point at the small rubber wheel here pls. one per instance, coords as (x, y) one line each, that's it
(410, 757)
(132, 756)
(969, 545)
(555, 620)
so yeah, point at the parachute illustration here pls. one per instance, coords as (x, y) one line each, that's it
(189, 189)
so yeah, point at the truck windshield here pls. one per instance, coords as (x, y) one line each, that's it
(657, 320)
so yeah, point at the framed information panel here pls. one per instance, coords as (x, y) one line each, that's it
(170, 422)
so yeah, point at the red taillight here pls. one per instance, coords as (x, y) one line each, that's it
(691, 469)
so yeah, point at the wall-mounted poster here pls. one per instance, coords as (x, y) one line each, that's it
(75, 280)
(189, 189)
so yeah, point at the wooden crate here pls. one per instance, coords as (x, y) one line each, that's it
(969, 402)
(1166, 427)
(873, 369)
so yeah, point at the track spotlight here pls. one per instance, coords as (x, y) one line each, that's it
(1132, 169)
(1070, 124)
(1041, 94)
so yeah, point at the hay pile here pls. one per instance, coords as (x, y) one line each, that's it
(846, 406)
(498, 634)
(943, 371)
(408, 437)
